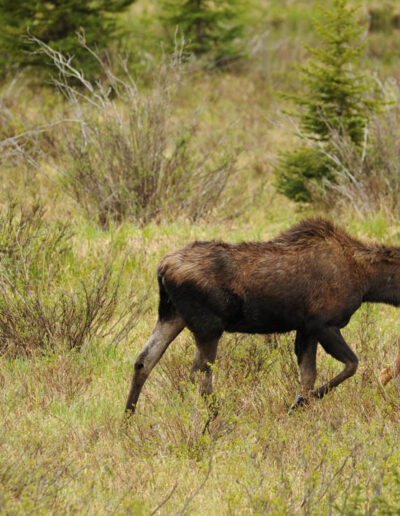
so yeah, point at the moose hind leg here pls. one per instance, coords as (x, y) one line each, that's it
(205, 355)
(163, 334)
(333, 343)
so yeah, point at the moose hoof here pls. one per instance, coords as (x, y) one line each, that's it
(298, 402)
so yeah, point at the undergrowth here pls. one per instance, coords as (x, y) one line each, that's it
(38, 310)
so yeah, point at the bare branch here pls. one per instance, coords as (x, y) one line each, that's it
(165, 500)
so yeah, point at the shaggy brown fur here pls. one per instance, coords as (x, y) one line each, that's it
(311, 279)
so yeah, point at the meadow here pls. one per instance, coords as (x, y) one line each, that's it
(78, 289)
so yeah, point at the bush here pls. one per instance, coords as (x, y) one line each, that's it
(368, 181)
(337, 101)
(299, 169)
(129, 156)
(37, 310)
(212, 28)
(56, 23)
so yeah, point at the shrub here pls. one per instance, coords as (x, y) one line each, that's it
(299, 169)
(213, 28)
(368, 181)
(337, 101)
(129, 157)
(37, 309)
(56, 23)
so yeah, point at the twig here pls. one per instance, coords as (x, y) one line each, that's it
(12, 140)
(165, 500)
(337, 472)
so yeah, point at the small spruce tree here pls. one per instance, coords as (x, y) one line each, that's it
(56, 23)
(208, 27)
(337, 101)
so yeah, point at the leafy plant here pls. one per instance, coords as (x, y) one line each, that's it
(337, 101)
(56, 23)
(301, 166)
(37, 311)
(208, 27)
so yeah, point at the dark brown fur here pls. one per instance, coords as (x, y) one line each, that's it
(311, 279)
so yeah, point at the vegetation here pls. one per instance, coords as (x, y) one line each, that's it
(213, 28)
(57, 24)
(137, 163)
(101, 177)
(37, 309)
(336, 101)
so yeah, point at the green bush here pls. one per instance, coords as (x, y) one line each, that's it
(213, 28)
(298, 169)
(337, 101)
(57, 23)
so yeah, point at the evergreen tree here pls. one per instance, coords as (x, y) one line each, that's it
(336, 102)
(207, 26)
(56, 23)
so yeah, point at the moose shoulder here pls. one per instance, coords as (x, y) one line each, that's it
(311, 279)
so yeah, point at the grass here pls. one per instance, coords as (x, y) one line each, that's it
(62, 447)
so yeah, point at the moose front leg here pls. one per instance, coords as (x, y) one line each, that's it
(333, 343)
(306, 351)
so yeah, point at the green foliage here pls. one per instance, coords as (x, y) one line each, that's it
(38, 310)
(300, 167)
(56, 23)
(337, 89)
(336, 102)
(208, 27)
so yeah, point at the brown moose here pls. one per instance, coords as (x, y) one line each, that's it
(311, 278)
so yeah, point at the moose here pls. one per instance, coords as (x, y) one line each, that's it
(311, 279)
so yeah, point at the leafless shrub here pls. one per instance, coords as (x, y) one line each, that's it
(129, 156)
(368, 180)
(36, 309)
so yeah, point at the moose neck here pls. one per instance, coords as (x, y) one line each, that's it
(384, 276)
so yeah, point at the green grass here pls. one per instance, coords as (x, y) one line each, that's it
(64, 451)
